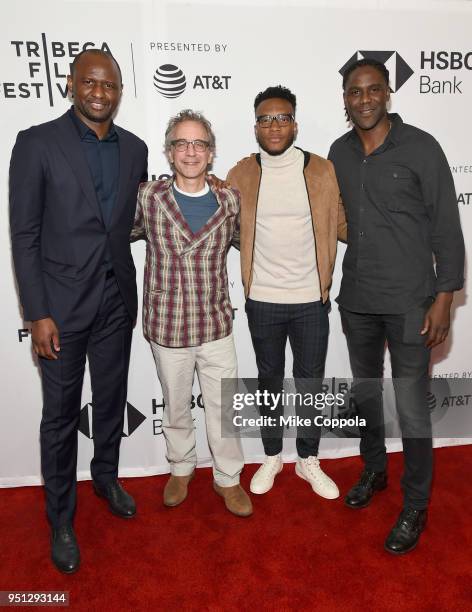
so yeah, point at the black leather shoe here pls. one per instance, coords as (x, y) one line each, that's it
(361, 493)
(64, 549)
(119, 502)
(406, 532)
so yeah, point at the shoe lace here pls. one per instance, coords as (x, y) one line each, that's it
(270, 466)
(366, 479)
(408, 517)
(312, 465)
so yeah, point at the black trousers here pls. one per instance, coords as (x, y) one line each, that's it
(307, 328)
(107, 345)
(366, 336)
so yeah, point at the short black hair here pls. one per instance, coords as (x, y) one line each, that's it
(366, 62)
(277, 91)
(94, 52)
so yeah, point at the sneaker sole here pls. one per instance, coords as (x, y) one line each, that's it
(266, 490)
(303, 477)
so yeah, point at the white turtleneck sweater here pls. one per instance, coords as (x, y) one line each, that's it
(285, 270)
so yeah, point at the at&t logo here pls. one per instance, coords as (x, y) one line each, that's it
(171, 82)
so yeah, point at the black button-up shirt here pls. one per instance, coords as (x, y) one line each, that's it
(103, 158)
(401, 209)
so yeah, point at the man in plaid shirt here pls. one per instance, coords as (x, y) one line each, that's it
(187, 315)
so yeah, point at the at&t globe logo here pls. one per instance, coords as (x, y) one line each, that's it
(169, 80)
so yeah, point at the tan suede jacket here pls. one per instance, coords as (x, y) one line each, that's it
(327, 213)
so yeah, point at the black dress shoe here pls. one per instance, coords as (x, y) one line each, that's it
(64, 549)
(361, 493)
(406, 532)
(119, 502)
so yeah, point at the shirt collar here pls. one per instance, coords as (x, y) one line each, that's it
(85, 133)
(393, 136)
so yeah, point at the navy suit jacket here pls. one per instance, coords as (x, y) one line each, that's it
(59, 240)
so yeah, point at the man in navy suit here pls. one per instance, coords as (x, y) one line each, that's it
(73, 187)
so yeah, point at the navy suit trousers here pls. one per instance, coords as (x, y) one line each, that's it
(107, 345)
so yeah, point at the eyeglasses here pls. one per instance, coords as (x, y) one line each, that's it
(182, 145)
(283, 120)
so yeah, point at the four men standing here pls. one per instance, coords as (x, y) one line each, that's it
(73, 186)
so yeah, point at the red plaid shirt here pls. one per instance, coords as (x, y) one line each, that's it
(186, 299)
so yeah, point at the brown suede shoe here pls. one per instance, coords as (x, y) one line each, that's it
(236, 499)
(176, 489)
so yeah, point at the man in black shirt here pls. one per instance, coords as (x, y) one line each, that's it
(401, 210)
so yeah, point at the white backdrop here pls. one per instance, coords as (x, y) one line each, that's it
(228, 52)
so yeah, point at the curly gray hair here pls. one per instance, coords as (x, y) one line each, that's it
(188, 115)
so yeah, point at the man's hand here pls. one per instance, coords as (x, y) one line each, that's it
(437, 320)
(45, 337)
(216, 182)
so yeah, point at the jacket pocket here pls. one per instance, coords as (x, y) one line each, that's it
(58, 268)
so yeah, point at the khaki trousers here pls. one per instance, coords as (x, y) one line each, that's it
(175, 369)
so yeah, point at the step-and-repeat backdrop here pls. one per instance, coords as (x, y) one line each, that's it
(223, 53)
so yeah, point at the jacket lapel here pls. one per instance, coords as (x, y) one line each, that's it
(172, 210)
(69, 142)
(213, 222)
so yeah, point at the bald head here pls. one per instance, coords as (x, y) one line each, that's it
(91, 53)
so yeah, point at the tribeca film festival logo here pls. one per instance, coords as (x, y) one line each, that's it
(133, 419)
(47, 64)
(170, 81)
(399, 70)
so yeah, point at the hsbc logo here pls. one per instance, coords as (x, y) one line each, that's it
(399, 70)
(133, 419)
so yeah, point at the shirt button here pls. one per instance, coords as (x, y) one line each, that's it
(362, 186)
(362, 209)
(361, 234)
(364, 161)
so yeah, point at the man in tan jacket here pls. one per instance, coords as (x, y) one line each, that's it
(291, 216)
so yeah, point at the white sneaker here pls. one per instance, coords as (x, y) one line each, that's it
(309, 469)
(263, 479)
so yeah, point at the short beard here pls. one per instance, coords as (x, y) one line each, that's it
(367, 129)
(278, 152)
(94, 119)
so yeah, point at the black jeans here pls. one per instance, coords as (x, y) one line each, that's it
(307, 328)
(366, 336)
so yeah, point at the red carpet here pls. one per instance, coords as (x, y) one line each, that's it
(297, 552)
